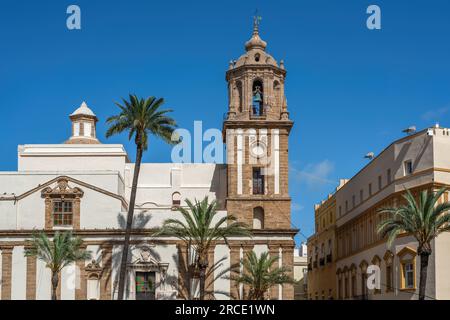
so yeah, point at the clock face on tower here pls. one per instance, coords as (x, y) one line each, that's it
(258, 149)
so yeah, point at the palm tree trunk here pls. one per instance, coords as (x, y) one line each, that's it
(203, 266)
(126, 244)
(423, 274)
(55, 280)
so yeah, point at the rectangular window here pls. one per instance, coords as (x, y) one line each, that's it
(388, 175)
(361, 196)
(408, 271)
(353, 201)
(340, 211)
(380, 182)
(346, 206)
(370, 189)
(408, 168)
(62, 213)
(258, 181)
(145, 286)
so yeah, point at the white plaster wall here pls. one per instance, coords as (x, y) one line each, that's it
(158, 181)
(96, 254)
(418, 148)
(43, 281)
(7, 215)
(68, 282)
(31, 212)
(116, 256)
(98, 211)
(155, 218)
(442, 260)
(259, 249)
(19, 272)
(221, 284)
(1, 274)
(71, 157)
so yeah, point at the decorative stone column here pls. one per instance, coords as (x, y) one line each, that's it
(106, 279)
(210, 279)
(234, 261)
(31, 278)
(76, 212)
(288, 262)
(247, 249)
(183, 270)
(6, 271)
(274, 251)
(81, 284)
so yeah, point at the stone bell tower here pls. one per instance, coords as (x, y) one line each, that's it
(256, 132)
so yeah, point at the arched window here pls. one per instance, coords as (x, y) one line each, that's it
(176, 199)
(258, 218)
(258, 98)
(239, 95)
(277, 92)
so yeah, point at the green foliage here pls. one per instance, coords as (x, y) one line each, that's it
(260, 274)
(63, 250)
(423, 218)
(199, 229)
(141, 117)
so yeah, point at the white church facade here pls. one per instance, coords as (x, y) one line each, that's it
(84, 185)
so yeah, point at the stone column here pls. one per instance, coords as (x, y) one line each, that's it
(288, 262)
(247, 249)
(81, 281)
(48, 213)
(183, 272)
(6, 272)
(31, 278)
(234, 262)
(209, 287)
(274, 252)
(106, 278)
(76, 213)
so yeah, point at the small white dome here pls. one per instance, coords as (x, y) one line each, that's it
(83, 110)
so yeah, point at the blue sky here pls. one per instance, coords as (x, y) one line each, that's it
(350, 90)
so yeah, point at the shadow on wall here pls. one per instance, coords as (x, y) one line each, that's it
(219, 185)
(139, 222)
(185, 282)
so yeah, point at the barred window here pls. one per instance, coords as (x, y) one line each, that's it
(62, 213)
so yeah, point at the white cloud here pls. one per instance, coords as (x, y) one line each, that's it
(297, 207)
(316, 174)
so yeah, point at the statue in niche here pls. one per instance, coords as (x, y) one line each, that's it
(257, 101)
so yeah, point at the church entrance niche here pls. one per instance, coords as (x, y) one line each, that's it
(258, 98)
(145, 285)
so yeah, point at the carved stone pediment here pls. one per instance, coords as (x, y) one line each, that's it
(62, 189)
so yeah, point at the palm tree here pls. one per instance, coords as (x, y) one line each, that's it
(424, 219)
(141, 118)
(58, 253)
(260, 275)
(199, 232)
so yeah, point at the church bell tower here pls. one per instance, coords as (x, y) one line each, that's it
(256, 131)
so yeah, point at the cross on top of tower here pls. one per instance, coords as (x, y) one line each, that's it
(255, 42)
(256, 21)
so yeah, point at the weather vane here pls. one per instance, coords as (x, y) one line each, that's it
(257, 18)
